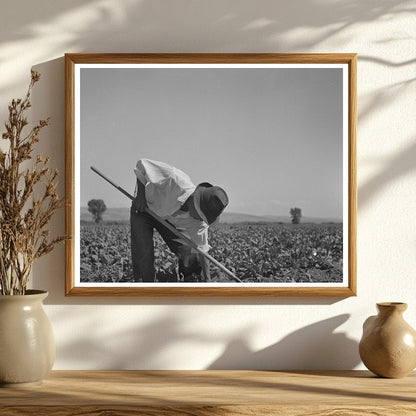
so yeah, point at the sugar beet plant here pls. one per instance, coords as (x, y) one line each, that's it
(28, 198)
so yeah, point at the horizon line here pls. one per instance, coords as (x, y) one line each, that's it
(327, 217)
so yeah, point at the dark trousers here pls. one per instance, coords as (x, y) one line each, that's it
(142, 248)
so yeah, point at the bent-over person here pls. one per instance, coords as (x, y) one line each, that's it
(170, 193)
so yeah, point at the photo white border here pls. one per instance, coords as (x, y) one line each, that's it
(77, 208)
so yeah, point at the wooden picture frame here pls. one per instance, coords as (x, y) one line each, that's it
(303, 76)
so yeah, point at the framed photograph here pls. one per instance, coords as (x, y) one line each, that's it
(211, 174)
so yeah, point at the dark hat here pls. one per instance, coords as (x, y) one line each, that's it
(209, 201)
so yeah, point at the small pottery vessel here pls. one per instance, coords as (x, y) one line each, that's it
(388, 345)
(27, 347)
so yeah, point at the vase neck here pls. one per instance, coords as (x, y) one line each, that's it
(390, 308)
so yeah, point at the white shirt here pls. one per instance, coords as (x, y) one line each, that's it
(166, 189)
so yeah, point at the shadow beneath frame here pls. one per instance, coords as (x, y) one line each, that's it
(314, 347)
(320, 345)
(52, 299)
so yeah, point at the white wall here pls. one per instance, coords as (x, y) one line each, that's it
(200, 333)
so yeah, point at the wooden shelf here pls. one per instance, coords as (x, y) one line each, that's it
(203, 393)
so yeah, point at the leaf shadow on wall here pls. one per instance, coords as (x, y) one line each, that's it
(316, 346)
(151, 345)
(150, 26)
(394, 168)
(144, 346)
(402, 163)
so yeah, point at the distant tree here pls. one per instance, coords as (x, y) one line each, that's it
(296, 214)
(97, 208)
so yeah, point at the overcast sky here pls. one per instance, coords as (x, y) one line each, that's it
(272, 138)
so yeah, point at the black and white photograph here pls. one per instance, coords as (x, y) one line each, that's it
(211, 175)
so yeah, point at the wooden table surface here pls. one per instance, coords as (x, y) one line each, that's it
(254, 393)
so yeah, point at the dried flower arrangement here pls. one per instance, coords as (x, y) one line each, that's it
(28, 199)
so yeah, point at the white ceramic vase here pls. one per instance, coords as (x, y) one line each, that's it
(27, 346)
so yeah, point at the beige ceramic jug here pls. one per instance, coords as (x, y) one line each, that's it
(388, 345)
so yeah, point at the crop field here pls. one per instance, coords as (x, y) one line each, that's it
(255, 252)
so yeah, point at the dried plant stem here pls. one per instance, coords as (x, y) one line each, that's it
(23, 217)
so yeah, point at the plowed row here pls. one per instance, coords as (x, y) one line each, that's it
(271, 252)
